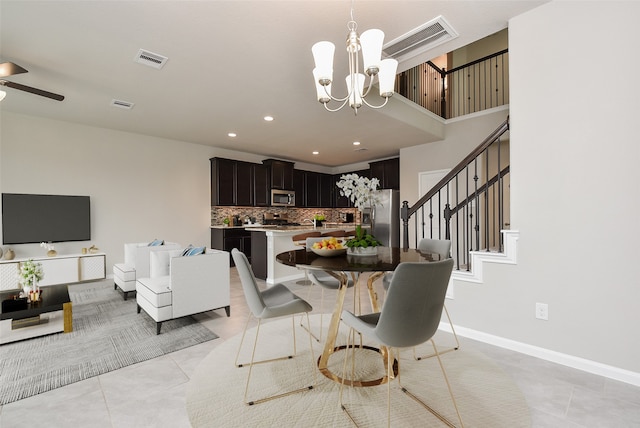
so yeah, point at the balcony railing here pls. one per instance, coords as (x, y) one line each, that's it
(476, 86)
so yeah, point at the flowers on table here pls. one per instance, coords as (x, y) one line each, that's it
(30, 274)
(359, 189)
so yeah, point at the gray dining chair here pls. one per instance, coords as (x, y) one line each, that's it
(410, 316)
(442, 247)
(273, 302)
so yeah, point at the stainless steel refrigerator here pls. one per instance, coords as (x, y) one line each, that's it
(385, 218)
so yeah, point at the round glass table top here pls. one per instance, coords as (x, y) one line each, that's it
(386, 259)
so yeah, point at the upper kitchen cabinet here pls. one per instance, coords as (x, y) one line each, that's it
(223, 172)
(299, 186)
(326, 190)
(231, 182)
(261, 185)
(244, 184)
(388, 172)
(281, 173)
(313, 189)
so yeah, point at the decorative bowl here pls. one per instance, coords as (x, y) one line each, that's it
(329, 253)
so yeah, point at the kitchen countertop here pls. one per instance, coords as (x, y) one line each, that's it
(275, 228)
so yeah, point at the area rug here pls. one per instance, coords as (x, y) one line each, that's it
(108, 334)
(486, 395)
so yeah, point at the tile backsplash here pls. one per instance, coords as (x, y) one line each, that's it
(297, 215)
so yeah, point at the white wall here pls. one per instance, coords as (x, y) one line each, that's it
(574, 188)
(141, 187)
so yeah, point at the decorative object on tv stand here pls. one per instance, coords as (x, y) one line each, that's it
(30, 274)
(51, 250)
(93, 249)
(9, 254)
(359, 190)
(370, 43)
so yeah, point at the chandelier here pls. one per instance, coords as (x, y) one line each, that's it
(370, 43)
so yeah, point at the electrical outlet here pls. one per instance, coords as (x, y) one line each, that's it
(542, 311)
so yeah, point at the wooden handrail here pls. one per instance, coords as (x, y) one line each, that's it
(504, 127)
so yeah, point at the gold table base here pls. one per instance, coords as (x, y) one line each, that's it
(359, 383)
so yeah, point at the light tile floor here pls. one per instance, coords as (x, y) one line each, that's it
(152, 393)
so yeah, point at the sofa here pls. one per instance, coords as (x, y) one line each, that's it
(181, 285)
(136, 264)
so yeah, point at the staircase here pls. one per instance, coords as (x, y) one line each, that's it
(470, 207)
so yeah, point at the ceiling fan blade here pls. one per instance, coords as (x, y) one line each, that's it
(29, 89)
(9, 69)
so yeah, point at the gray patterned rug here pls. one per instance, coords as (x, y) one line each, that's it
(108, 334)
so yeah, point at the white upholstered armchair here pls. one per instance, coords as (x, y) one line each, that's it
(184, 285)
(136, 264)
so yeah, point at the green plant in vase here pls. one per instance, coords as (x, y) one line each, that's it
(362, 243)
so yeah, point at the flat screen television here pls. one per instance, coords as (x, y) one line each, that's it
(28, 218)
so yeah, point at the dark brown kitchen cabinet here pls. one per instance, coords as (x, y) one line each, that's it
(223, 172)
(327, 188)
(312, 189)
(259, 254)
(299, 187)
(228, 238)
(261, 185)
(388, 172)
(232, 182)
(244, 183)
(281, 173)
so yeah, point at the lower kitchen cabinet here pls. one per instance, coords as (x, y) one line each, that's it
(259, 254)
(228, 238)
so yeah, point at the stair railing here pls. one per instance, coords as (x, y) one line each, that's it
(469, 205)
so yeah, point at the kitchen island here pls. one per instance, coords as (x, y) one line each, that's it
(278, 240)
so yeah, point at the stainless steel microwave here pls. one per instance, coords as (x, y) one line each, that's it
(283, 198)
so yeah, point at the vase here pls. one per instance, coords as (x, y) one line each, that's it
(9, 254)
(362, 251)
(52, 253)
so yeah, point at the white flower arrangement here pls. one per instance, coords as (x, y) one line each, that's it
(30, 273)
(359, 189)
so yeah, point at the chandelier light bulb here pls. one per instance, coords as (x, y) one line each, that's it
(371, 41)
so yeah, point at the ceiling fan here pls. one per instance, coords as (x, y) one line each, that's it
(9, 69)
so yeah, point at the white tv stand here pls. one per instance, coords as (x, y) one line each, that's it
(61, 269)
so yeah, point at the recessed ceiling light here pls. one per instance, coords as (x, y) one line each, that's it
(316, 153)
(268, 118)
(356, 143)
(232, 134)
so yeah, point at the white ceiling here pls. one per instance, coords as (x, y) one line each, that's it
(230, 64)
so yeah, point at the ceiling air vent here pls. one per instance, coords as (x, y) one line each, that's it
(122, 104)
(420, 39)
(150, 59)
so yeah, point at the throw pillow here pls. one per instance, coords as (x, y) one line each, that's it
(196, 251)
(156, 242)
(160, 262)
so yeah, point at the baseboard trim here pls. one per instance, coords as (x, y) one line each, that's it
(583, 364)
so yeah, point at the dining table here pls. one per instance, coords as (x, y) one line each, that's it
(341, 267)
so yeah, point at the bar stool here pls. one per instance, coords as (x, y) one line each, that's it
(301, 240)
